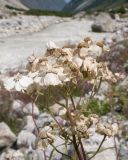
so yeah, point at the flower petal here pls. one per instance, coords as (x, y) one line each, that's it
(9, 83)
(25, 81)
(51, 79)
(18, 87)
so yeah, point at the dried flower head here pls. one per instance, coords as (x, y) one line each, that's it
(107, 129)
(45, 138)
(61, 65)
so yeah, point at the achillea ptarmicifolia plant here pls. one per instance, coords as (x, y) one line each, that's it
(60, 70)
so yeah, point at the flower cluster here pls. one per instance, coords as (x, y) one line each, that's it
(84, 123)
(61, 65)
(107, 129)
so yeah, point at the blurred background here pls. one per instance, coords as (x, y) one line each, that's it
(25, 28)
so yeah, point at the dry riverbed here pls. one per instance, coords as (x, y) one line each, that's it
(23, 36)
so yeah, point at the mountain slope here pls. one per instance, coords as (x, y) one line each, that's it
(79, 5)
(56, 5)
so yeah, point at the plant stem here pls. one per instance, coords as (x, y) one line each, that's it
(82, 148)
(72, 129)
(76, 148)
(73, 104)
(33, 113)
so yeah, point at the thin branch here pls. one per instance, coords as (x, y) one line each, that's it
(61, 104)
(79, 99)
(117, 157)
(98, 148)
(73, 103)
(55, 148)
(101, 150)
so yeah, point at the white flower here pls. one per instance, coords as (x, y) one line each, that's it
(90, 65)
(9, 83)
(78, 61)
(63, 77)
(25, 81)
(18, 83)
(51, 79)
(51, 45)
(83, 52)
(94, 51)
(33, 74)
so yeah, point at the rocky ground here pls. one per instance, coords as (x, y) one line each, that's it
(39, 30)
(20, 37)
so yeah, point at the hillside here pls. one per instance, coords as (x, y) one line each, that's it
(54, 5)
(79, 5)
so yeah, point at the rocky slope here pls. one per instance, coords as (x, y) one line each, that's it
(13, 3)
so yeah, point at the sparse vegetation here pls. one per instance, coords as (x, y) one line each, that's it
(14, 8)
(37, 12)
(120, 10)
(98, 107)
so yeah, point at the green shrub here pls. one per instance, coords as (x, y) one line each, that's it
(121, 10)
(37, 12)
(98, 107)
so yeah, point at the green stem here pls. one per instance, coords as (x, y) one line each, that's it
(73, 104)
(55, 148)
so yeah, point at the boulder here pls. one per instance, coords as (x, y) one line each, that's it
(17, 107)
(103, 23)
(44, 119)
(26, 139)
(29, 123)
(21, 109)
(123, 85)
(7, 137)
(56, 109)
(123, 151)
(31, 109)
